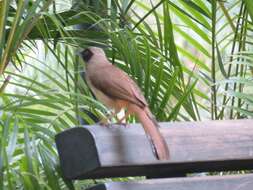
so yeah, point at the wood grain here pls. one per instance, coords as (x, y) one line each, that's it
(234, 182)
(98, 152)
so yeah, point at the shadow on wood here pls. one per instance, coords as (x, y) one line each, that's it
(236, 182)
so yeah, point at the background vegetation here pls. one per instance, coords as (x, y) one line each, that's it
(192, 59)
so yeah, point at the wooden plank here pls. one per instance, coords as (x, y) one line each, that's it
(98, 152)
(233, 182)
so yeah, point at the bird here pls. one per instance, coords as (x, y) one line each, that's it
(116, 90)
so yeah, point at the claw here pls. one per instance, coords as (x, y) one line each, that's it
(125, 125)
(103, 123)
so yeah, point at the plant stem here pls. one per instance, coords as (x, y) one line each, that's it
(213, 88)
(226, 13)
(221, 114)
(243, 69)
(240, 47)
(5, 83)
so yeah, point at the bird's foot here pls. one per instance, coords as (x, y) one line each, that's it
(123, 124)
(104, 123)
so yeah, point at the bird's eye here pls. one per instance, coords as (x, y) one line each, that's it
(86, 55)
(86, 52)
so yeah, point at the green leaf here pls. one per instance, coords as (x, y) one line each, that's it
(249, 7)
(175, 110)
(220, 62)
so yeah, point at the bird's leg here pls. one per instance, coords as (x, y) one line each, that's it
(104, 121)
(120, 121)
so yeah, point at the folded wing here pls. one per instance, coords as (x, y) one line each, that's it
(116, 84)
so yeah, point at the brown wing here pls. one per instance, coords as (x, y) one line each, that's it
(116, 84)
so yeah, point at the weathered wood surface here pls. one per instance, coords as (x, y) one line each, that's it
(98, 152)
(234, 182)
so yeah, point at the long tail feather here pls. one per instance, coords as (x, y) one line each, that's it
(151, 128)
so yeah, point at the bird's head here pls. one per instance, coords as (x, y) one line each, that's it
(90, 52)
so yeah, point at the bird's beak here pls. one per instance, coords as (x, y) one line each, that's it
(78, 53)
